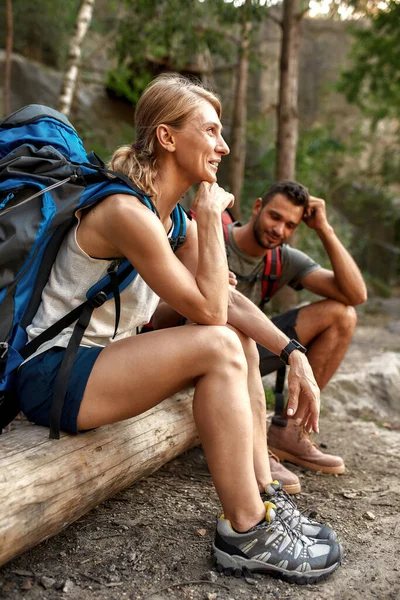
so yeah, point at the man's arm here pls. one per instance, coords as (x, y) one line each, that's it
(344, 283)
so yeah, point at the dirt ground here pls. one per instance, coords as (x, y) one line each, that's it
(152, 541)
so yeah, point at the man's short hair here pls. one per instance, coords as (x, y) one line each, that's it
(295, 192)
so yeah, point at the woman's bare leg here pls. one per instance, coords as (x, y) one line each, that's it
(258, 407)
(132, 375)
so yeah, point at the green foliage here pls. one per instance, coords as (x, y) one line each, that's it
(320, 157)
(269, 398)
(160, 35)
(377, 286)
(41, 28)
(373, 81)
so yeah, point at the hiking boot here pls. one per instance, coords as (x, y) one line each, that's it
(272, 547)
(290, 481)
(293, 444)
(288, 512)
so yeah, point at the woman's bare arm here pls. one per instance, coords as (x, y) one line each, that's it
(122, 226)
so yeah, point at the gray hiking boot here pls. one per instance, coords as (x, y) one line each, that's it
(272, 547)
(288, 512)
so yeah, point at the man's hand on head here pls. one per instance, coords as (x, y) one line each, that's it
(315, 214)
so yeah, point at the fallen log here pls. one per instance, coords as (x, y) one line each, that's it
(46, 484)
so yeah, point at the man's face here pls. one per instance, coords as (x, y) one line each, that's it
(276, 222)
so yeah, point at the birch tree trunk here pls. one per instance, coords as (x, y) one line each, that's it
(287, 117)
(238, 143)
(8, 57)
(74, 56)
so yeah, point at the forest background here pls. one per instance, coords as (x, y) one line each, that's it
(310, 90)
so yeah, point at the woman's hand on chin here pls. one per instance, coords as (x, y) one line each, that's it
(210, 196)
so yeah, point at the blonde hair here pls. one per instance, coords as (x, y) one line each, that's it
(169, 99)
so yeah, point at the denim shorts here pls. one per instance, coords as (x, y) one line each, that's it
(35, 383)
(270, 362)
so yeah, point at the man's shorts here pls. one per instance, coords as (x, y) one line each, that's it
(286, 322)
(35, 385)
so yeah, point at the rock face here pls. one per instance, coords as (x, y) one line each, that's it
(374, 385)
(102, 123)
(367, 382)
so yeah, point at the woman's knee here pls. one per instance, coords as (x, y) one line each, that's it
(224, 348)
(250, 349)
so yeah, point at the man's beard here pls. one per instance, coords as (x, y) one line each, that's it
(259, 238)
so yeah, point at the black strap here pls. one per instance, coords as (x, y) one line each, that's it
(62, 378)
(112, 272)
(278, 418)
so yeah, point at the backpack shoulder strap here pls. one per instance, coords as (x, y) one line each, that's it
(178, 235)
(272, 273)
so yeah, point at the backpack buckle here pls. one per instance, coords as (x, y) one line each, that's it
(98, 299)
(3, 349)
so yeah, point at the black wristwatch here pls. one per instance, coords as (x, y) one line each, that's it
(287, 351)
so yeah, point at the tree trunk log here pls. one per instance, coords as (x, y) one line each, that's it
(287, 130)
(46, 484)
(74, 56)
(238, 145)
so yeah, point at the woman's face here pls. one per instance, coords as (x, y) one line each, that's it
(199, 145)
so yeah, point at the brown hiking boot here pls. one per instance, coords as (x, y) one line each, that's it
(293, 444)
(290, 481)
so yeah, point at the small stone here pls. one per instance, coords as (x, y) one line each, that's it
(68, 586)
(369, 515)
(349, 495)
(201, 532)
(47, 582)
(211, 595)
(26, 585)
(59, 584)
(212, 576)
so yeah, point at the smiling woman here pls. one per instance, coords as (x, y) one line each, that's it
(118, 375)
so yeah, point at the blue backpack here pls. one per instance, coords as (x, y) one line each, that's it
(45, 176)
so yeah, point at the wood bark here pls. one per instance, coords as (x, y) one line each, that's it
(287, 117)
(74, 56)
(47, 484)
(8, 57)
(238, 143)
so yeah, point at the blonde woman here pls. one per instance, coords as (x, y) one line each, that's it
(179, 143)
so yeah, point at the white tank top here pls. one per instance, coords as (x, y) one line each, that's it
(74, 272)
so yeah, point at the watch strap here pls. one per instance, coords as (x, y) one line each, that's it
(287, 350)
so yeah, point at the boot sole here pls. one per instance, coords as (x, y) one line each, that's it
(282, 455)
(238, 566)
(292, 488)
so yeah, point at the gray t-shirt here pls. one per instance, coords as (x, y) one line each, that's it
(295, 266)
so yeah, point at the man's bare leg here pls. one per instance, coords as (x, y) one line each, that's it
(326, 328)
